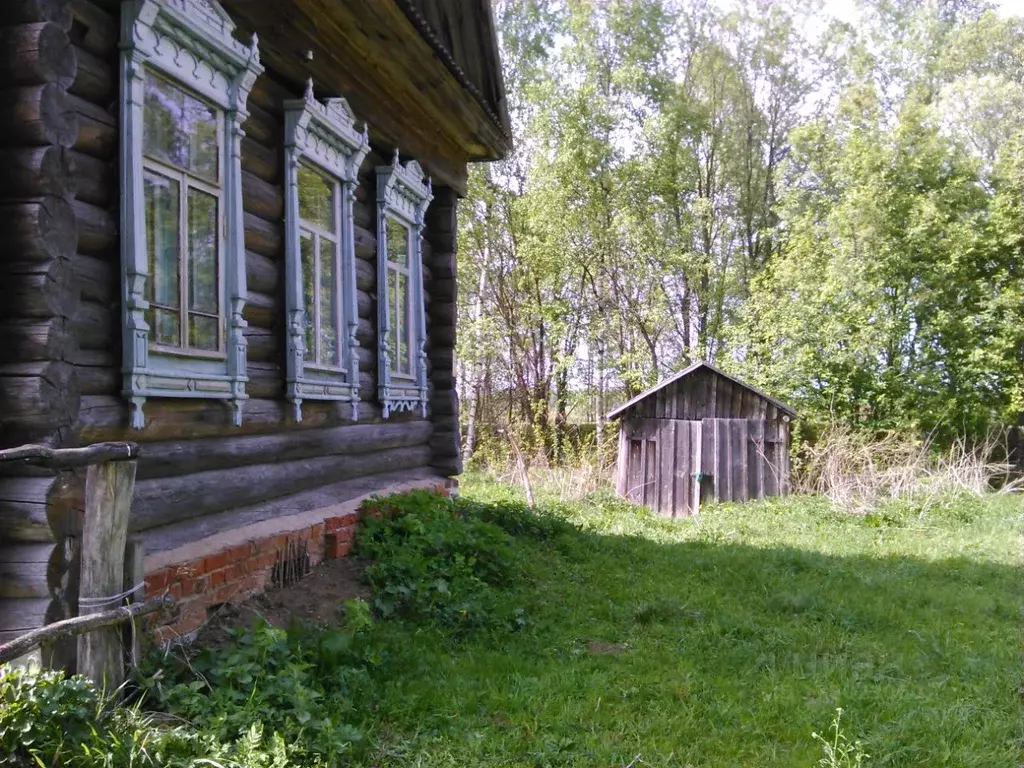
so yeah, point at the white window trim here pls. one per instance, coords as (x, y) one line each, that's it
(192, 43)
(403, 196)
(322, 135)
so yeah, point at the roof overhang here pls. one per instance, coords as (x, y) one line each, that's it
(372, 53)
(686, 372)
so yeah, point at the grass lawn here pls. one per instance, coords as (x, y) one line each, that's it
(727, 642)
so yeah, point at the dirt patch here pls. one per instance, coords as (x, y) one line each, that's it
(315, 599)
(597, 648)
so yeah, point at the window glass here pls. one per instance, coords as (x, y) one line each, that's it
(162, 197)
(316, 199)
(202, 271)
(393, 332)
(328, 305)
(309, 295)
(402, 314)
(398, 242)
(179, 129)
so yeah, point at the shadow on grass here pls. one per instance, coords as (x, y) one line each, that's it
(712, 653)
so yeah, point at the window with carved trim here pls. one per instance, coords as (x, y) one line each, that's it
(402, 200)
(323, 152)
(186, 80)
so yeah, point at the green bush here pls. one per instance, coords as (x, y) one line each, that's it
(299, 685)
(437, 561)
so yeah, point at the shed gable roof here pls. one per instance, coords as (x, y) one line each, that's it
(700, 364)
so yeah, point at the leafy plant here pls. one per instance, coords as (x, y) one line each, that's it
(437, 561)
(839, 751)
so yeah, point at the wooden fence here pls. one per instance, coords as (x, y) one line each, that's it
(109, 485)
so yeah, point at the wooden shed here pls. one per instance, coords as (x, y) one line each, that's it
(701, 435)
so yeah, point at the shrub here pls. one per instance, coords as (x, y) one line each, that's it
(299, 685)
(435, 561)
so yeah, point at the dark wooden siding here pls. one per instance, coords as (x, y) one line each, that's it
(198, 473)
(704, 395)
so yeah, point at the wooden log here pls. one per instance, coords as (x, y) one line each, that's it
(366, 276)
(134, 575)
(96, 278)
(366, 333)
(106, 418)
(265, 346)
(443, 264)
(41, 508)
(93, 325)
(97, 129)
(366, 244)
(37, 115)
(444, 404)
(38, 295)
(108, 502)
(183, 457)
(443, 313)
(35, 54)
(38, 230)
(21, 616)
(262, 162)
(264, 237)
(78, 626)
(94, 80)
(97, 230)
(172, 499)
(364, 304)
(363, 215)
(97, 29)
(442, 336)
(261, 126)
(262, 274)
(367, 361)
(266, 380)
(95, 181)
(261, 310)
(37, 172)
(37, 396)
(104, 379)
(261, 198)
(35, 340)
(30, 570)
(29, 11)
(443, 289)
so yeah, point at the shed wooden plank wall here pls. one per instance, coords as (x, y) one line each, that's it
(704, 395)
(59, 309)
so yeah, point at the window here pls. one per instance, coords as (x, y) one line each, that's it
(323, 152)
(402, 200)
(186, 82)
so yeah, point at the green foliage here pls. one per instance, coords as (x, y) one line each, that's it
(299, 685)
(437, 561)
(839, 751)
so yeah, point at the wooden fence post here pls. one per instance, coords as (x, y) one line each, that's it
(108, 500)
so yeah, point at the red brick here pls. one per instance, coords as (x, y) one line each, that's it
(317, 530)
(218, 577)
(335, 546)
(157, 582)
(174, 590)
(213, 562)
(240, 552)
(347, 534)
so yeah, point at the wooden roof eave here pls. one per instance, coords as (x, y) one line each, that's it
(365, 50)
(686, 372)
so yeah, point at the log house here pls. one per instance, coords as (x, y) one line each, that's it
(200, 201)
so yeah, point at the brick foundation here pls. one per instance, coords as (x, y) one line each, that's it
(236, 573)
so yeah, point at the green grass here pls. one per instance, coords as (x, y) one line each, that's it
(726, 642)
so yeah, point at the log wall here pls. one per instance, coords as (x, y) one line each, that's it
(60, 338)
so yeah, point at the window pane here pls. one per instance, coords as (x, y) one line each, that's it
(316, 198)
(398, 242)
(202, 331)
(328, 305)
(402, 311)
(202, 252)
(308, 281)
(179, 129)
(164, 326)
(162, 227)
(393, 325)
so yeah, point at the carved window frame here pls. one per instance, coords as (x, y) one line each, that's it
(191, 44)
(322, 135)
(403, 196)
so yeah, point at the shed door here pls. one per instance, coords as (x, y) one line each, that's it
(746, 458)
(657, 461)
